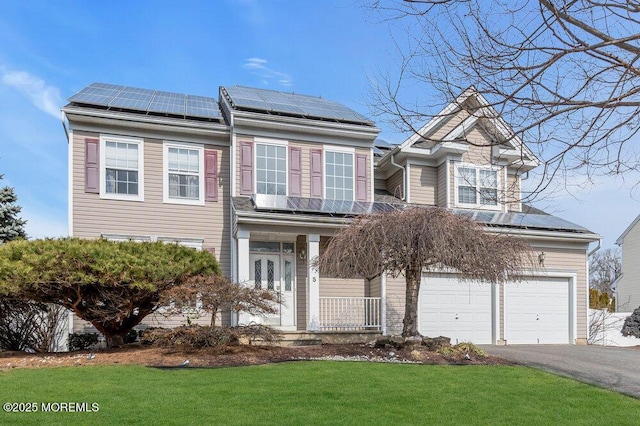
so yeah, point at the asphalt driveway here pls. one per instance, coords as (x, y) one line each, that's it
(613, 368)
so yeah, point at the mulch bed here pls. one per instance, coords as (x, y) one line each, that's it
(242, 355)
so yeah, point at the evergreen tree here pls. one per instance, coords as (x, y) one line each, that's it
(11, 226)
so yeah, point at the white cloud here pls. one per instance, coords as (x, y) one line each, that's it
(258, 67)
(44, 97)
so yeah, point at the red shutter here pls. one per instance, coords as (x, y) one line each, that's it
(295, 172)
(316, 173)
(92, 165)
(361, 178)
(210, 175)
(246, 168)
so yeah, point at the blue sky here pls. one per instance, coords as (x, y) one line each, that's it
(51, 50)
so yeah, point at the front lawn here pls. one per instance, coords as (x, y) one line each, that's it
(314, 393)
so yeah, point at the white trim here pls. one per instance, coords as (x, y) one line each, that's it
(477, 205)
(195, 243)
(572, 285)
(383, 303)
(343, 150)
(448, 184)
(70, 150)
(408, 182)
(338, 148)
(270, 141)
(276, 143)
(165, 173)
(372, 177)
(126, 237)
(121, 139)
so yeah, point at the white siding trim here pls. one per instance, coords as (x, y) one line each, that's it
(165, 173)
(125, 139)
(70, 149)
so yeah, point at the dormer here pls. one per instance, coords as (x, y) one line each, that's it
(466, 157)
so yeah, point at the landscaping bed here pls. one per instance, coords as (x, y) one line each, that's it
(136, 354)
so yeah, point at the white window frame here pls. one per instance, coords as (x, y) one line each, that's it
(165, 173)
(271, 142)
(103, 168)
(342, 150)
(477, 204)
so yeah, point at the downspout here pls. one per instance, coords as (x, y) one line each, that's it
(404, 176)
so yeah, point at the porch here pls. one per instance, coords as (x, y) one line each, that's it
(285, 263)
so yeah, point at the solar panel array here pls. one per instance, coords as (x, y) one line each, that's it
(292, 104)
(522, 220)
(284, 203)
(148, 101)
(317, 205)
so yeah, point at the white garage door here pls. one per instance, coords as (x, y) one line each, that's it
(456, 309)
(537, 311)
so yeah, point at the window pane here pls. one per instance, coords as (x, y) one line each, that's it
(339, 176)
(488, 197)
(265, 246)
(488, 179)
(270, 274)
(257, 271)
(271, 177)
(287, 247)
(466, 195)
(287, 275)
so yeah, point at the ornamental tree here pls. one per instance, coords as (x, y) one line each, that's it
(11, 226)
(112, 285)
(216, 292)
(411, 241)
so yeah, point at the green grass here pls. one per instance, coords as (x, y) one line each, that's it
(315, 393)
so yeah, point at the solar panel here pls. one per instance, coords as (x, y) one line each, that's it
(147, 101)
(97, 94)
(317, 205)
(290, 103)
(199, 106)
(132, 98)
(168, 103)
(521, 220)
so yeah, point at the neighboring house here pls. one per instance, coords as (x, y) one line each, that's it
(263, 179)
(627, 285)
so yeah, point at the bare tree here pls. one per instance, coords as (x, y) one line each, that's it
(215, 292)
(604, 267)
(410, 241)
(565, 74)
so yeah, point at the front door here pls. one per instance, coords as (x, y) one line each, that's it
(275, 273)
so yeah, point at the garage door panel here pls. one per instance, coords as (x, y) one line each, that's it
(455, 309)
(537, 311)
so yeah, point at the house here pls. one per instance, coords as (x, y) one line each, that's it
(627, 285)
(263, 179)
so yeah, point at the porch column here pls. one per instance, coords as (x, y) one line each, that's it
(313, 282)
(243, 265)
(383, 303)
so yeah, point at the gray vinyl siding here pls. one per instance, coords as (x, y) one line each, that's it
(423, 184)
(396, 295)
(628, 291)
(93, 216)
(442, 185)
(395, 184)
(301, 285)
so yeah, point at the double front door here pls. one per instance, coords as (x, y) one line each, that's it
(275, 272)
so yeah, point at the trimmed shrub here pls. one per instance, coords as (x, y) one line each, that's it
(197, 337)
(631, 325)
(82, 341)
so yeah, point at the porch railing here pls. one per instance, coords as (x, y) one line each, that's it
(350, 313)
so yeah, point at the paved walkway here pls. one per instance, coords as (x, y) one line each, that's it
(613, 368)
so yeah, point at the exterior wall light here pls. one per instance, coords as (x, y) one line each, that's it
(302, 255)
(541, 257)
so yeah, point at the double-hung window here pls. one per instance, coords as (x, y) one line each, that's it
(271, 169)
(122, 171)
(183, 174)
(338, 175)
(477, 186)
